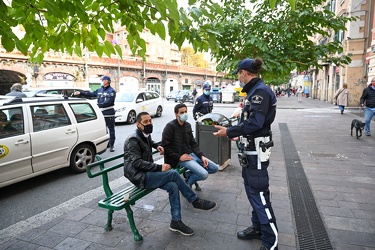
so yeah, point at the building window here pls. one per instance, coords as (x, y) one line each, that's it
(186, 80)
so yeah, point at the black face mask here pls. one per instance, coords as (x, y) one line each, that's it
(147, 129)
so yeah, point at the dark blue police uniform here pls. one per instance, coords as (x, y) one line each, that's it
(106, 101)
(203, 104)
(258, 113)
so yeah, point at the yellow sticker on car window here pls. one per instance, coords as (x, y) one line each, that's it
(4, 150)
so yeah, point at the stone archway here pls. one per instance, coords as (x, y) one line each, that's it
(8, 78)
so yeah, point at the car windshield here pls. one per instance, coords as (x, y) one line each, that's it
(125, 97)
(182, 93)
(30, 93)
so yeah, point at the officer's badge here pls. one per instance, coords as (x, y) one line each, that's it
(247, 103)
(112, 94)
(256, 99)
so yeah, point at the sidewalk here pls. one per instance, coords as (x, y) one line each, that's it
(314, 135)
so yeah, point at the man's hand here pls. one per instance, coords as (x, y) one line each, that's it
(165, 167)
(362, 106)
(222, 131)
(205, 162)
(186, 157)
(160, 149)
(76, 93)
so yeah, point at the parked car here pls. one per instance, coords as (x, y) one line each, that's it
(182, 94)
(129, 104)
(172, 95)
(39, 135)
(37, 92)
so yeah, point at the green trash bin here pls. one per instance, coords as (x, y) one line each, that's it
(217, 149)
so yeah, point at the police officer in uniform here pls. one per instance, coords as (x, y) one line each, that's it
(204, 103)
(106, 100)
(254, 131)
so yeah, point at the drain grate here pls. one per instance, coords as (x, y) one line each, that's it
(311, 232)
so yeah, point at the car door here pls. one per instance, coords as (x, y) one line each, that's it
(140, 103)
(15, 146)
(53, 136)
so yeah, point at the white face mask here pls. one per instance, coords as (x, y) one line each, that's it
(184, 117)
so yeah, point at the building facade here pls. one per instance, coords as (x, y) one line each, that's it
(358, 40)
(161, 72)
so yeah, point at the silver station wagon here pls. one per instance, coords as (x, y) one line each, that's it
(39, 135)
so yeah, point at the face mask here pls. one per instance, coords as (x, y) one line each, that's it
(147, 129)
(206, 92)
(102, 84)
(184, 117)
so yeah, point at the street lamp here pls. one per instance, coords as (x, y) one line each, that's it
(36, 73)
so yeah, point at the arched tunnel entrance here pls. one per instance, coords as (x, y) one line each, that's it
(8, 78)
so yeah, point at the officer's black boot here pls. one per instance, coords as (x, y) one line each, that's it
(249, 233)
(112, 148)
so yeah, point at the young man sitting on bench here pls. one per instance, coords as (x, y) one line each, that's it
(141, 170)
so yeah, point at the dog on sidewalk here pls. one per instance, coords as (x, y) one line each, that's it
(359, 126)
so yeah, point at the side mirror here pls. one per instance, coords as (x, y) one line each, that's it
(139, 100)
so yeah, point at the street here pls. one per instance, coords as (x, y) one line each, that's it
(25, 199)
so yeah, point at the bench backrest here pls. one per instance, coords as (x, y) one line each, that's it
(93, 170)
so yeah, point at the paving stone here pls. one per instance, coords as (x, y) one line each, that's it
(100, 236)
(72, 244)
(68, 228)
(49, 239)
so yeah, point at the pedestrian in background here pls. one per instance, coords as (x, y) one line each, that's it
(16, 90)
(367, 102)
(204, 103)
(299, 94)
(342, 97)
(106, 101)
(254, 129)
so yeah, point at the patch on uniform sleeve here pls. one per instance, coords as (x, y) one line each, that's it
(112, 94)
(256, 99)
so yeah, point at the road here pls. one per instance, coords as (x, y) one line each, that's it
(25, 199)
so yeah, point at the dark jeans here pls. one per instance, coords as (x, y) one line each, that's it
(256, 183)
(171, 182)
(110, 122)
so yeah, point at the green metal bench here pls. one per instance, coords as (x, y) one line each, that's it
(115, 201)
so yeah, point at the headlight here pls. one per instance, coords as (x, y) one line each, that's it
(121, 109)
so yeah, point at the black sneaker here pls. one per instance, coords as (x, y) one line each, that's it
(179, 226)
(204, 204)
(249, 233)
(112, 149)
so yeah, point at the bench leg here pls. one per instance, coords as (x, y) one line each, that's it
(108, 227)
(129, 212)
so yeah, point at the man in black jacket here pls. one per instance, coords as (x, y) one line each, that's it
(368, 96)
(141, 170)
(182, 149)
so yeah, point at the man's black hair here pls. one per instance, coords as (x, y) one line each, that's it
(139, 116)
(178, 106)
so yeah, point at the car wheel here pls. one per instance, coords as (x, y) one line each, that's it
(159, 111)
(131, 117)
(81, 156)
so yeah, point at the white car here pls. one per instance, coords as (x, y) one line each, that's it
(39, 135)
(129, 104)
(37, 92)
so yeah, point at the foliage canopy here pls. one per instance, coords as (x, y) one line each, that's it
(280, 36)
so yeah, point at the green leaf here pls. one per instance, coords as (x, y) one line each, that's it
(7, 43)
